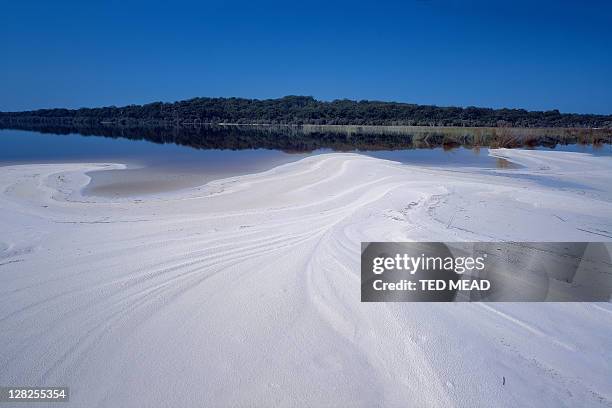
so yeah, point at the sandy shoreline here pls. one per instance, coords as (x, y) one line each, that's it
(251, 283)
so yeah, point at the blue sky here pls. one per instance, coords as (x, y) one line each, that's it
(531, 54)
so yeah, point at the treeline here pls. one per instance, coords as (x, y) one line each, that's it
(298, 110)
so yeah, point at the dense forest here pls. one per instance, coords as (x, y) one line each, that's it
(298, 110)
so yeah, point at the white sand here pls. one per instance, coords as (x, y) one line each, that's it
(245, 292)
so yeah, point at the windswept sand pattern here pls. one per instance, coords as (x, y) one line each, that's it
(245, 291)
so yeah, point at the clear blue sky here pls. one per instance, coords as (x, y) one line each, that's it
(531, 54)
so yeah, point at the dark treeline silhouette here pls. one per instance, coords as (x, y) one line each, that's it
(297, 110)
(310, 138)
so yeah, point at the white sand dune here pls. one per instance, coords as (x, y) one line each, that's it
(245, 292)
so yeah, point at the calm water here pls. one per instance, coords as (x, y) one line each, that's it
(154, 166)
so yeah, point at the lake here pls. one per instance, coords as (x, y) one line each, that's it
(168, 159)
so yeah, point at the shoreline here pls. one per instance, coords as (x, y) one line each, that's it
(146, 180)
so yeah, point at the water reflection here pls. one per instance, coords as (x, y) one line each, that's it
(308, 138)
(170, 158)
